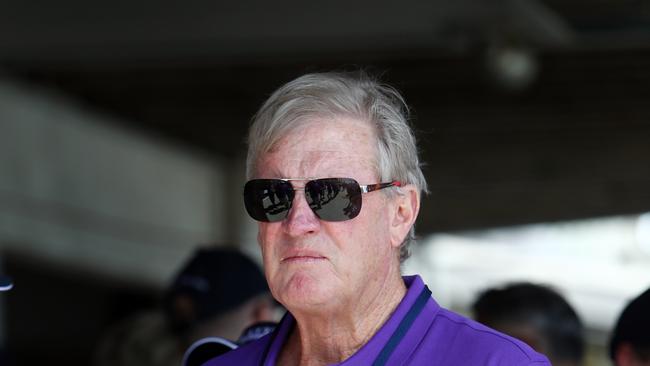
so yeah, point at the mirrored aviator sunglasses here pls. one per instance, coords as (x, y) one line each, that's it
(331, 199)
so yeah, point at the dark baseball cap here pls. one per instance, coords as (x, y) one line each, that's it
(633, 325)
(213, 281)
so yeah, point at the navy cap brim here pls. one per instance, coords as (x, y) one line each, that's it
(206, 349)
(6, 283)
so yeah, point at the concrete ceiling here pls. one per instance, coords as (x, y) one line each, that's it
(75, 30)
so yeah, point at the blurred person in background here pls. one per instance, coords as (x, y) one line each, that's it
(630, 341)
(537, 315)
(335, 184)
(215, 296)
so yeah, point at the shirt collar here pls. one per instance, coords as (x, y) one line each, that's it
(369, 352)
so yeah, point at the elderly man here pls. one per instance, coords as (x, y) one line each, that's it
(335, 184)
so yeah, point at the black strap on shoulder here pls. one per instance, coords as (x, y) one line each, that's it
(403, 327)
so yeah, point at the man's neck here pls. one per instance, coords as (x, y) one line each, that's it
(332, 337)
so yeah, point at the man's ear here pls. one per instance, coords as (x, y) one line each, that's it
(406, 208)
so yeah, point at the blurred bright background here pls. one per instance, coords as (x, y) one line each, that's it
(122, 149)
(598, 265)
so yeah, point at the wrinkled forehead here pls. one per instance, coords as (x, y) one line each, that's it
(325, 140)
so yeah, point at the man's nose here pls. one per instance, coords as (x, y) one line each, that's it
(301, 219)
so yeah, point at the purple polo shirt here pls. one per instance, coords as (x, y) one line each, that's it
(419, 332)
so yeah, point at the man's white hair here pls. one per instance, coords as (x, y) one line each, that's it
(355, 95)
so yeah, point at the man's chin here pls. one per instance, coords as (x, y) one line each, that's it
(305, 290)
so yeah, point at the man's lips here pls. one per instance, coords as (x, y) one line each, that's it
(305, 257)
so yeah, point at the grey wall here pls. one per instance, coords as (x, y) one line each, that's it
(86, 195)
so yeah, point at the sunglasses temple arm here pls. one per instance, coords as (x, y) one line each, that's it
(378, 186)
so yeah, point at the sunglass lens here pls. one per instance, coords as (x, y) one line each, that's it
(334, 199)
(268, 199)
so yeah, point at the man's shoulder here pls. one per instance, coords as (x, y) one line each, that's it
(464, 341)
(249, 354)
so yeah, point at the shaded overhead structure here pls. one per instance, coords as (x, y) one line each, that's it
(569, 140)
(109, 31)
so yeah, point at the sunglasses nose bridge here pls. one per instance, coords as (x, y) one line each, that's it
(300, 214)
(299, 198)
